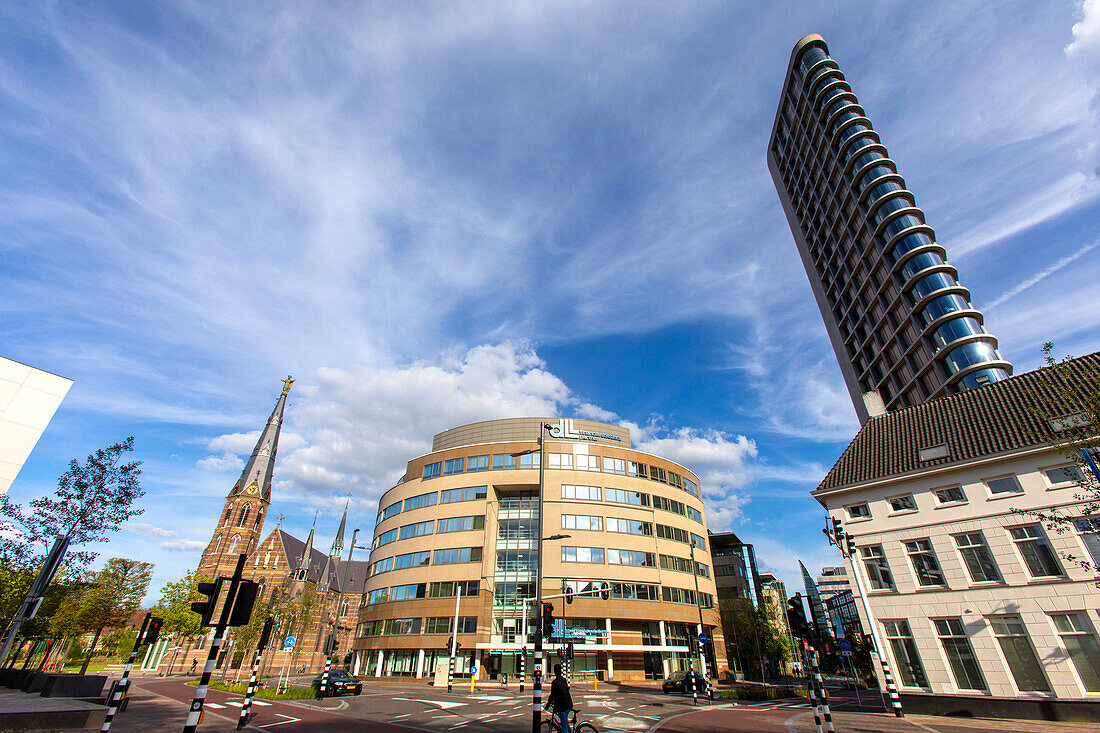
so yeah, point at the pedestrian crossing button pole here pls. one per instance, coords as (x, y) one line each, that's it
(246, 708)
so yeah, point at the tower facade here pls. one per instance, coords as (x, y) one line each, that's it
(242, 518)
(903, 328)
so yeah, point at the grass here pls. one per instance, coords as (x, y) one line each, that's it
(294, 692)
(761, 694)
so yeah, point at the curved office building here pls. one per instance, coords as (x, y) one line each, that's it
(464, 521)
(901, 324)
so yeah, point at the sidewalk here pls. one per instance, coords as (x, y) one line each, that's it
(149, 713)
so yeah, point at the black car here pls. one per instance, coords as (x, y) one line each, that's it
(681, 682)
(339, 683)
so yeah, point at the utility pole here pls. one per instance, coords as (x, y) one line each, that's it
(702, 630)
(194, 716)
(246, 708)
(536, 704)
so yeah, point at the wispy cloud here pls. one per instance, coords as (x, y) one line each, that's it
(182, 545)
(1043, 275)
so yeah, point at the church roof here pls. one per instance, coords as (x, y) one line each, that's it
(321, 566)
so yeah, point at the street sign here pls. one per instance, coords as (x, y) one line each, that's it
(844, 644)
(703, 638)
(473, 668)
(289, 643)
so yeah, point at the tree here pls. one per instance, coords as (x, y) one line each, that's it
(92, 499)
(1071, 416)
(113, 597)
(174, 606)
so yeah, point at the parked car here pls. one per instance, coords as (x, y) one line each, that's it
(339, 683)
(681, 682)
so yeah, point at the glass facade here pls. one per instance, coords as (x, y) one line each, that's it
(865, 242)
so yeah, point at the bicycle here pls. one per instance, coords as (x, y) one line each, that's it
(551, 724)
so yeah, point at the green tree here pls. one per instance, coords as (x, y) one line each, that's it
(92, 499)
(1071, 416)
(174, 606)
(113, 597)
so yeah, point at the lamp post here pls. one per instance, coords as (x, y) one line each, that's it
(702, 650)
(536, 704)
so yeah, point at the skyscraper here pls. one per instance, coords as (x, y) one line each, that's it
(903, 328)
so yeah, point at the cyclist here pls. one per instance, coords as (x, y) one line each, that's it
(560, 700)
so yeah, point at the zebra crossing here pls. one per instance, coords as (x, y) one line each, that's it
(774, 704)
(233, 703)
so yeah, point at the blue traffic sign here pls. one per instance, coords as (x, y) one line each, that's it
(289, 642)
(703, 638)
(844, 644)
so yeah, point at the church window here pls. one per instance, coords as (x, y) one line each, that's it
(217, 545)
(244, 515)
(225, 519)
(233, 544)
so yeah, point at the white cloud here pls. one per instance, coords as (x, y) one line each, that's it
(1040, 276)
(145, 529)
(182, 545)
(1084, 51)
(221, 462)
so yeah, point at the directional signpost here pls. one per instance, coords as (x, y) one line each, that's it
(703, 638)
(289, 643)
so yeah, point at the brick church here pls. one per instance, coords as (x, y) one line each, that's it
(301, 574)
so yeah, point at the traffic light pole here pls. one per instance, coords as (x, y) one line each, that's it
(454, 638)
(702, 646)
(246, 707)
(194, 716)
(536, 704)
(118, 692)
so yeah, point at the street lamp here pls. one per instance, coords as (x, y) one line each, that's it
(536, 710)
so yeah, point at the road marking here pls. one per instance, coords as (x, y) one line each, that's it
(402, 715)
(214, 705)
(281, 722)
(459, 725)
(443, 704)
(260, 702)
(488, 697)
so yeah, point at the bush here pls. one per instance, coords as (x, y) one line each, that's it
(761, 694)
(294, 692)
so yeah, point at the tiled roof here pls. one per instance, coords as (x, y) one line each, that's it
(991, 420)
(320, 564)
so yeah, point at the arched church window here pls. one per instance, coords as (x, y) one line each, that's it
(225, 519)
(217, 546)
(244, 515)
(233, 544)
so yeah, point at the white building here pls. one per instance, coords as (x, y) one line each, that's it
(978, 602)
(29, 398)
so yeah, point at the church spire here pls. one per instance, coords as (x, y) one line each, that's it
(256, 476)
(307, 553)
(338, 543)
(242, 518)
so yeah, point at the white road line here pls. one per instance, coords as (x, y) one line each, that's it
(214, 705)
(459, 725)
(281, 722)
(259, 702)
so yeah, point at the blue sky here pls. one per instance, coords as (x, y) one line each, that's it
(435, 213)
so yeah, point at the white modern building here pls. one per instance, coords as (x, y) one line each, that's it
(29, 398)
(979, 602)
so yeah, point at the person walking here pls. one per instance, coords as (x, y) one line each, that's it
(193, 663)
(560, 701)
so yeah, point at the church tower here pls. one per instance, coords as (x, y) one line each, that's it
(242, 518)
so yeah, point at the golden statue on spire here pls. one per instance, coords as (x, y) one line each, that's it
(286, 383)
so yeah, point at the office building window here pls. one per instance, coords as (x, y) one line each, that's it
(461, 524)
(673, 533)
(529, 460)
(516, 561)
(457, 555)
(614, 465)
(444, 624)
(902, 503)
(559, 460)
(925, 565)
(669, 505)
(392, 510)
(680, 564)
(386, 537)
(517, 529)
(415, 502)
(1063, 475)
(695, 514)
(906, 659)
(408, 592)
(960, 654)
(632, 557)
(858, 511)
(629, 526)
(469, 493)
(586, 463)
(582, 521)
(978, 558)
(585, 493)
(417, 530)
(582, 554)
(448, 588)
(1019, 653)
(432, 470)
(412, 560)
(477, 463)
(453, 465)
(950, 495)
(382, 566)
(1088, 528)
(401, 626)
(691, 487)
(502, 461)
(623, 496)
(641, 470)
(656, 473)
(1035, 549)
(1004, 485)
(1080, 642)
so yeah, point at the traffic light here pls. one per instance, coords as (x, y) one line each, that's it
(450, 640)
(243, 603)
(869, 641)
(152, 631)
(838, 533)
(265, 635)
(547, 620)
(567, 592)
(605, 591)
(850, 543)
(796, 616)
(205, 609)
